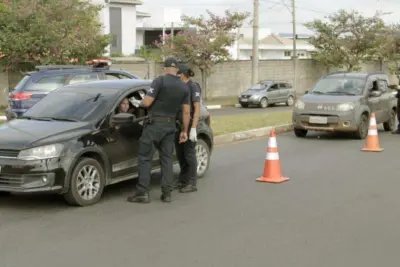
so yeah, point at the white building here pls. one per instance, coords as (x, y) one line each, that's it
(119, 20)
(270, 46)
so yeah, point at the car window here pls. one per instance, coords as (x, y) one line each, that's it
(82, 78)
(383, 86)
(21, 84)
(273, 87)
(288, 85)
(47, 84)
(340, 85)
(257, 86)
(71, 105)
(282, 85)
(116, 76)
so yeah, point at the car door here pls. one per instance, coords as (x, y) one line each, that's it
(273, 93)
(283, 92)
(373, 101)
(385, 100)
(123, 144)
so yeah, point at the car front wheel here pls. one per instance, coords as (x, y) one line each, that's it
(300, 132)
(290, 101)
(86, 184)
(362, 130)
(264, 102)
(203, 157)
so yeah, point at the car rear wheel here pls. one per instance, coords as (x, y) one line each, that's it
(390, 125)
(86, 184)
(264, 102)
(300, 132)
(362, 130)
(203, 157)
(290, 101)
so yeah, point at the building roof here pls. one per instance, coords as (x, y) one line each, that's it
(142, 14)
(127, 2)
(269, 40)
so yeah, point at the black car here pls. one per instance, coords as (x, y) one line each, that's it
(36, 85)
(68, 143)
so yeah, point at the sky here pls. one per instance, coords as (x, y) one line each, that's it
(275, 14)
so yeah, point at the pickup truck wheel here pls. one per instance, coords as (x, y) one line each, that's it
(300, 132)
(391, 123)
(362, 130)
(86, 184)
(203, 157)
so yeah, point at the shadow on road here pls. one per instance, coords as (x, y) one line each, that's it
(27, 202)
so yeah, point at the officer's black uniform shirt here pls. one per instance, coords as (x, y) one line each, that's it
(194, 91)
(170, 94)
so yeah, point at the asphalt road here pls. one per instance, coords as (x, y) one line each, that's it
(236, 111)
(340, 208)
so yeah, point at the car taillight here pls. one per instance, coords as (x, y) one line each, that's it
(21, 96)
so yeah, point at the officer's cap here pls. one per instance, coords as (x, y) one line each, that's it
(184, 69)
(171, 62)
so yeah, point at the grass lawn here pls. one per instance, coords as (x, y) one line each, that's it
(2, 111)
(222, 101)
(243, 122)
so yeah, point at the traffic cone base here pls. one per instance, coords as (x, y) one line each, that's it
(272, 168)
(372, 142)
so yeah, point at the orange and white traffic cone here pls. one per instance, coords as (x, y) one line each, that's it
(272, 168)
(372, 143)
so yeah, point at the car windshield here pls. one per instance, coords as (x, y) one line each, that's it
(340, 85)
(22, 83)
(257, 86)
(69, 106)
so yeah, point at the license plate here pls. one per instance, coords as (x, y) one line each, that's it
(318, 120)
(244, 100)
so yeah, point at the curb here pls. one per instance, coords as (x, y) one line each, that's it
(253, 133)
(214, 106)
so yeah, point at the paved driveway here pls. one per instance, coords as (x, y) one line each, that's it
(340, 208)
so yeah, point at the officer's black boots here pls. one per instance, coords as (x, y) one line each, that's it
(188, 189)
(139, 198)
(166, 197)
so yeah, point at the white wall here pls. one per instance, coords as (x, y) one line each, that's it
(128, 14)
(245, 54)
(139, 38)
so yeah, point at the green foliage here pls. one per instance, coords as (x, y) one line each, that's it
(150, 53)
(208, 45)
(346, 39)
(49, 31)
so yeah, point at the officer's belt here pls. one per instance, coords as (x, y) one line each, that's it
(163, 119)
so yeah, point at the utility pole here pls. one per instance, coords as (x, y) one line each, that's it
(254, 69)
(294, 56)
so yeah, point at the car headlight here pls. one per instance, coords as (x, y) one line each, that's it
(345, 107)
(299, 104)
(41, 152)
(255, 96)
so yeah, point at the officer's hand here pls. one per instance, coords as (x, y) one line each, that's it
(183, 137)
(135, 102)
(193, 135)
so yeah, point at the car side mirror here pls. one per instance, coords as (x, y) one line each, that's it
(122, 118)
(306, 92)
(375, 93)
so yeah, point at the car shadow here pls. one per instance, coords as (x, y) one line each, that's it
(333, 136)
(27, 202)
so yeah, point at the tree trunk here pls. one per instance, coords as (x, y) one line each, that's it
(204, 88)
(148, 68)
(380, 64)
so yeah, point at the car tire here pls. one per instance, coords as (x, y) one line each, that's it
(263, 102)
(73, 196)
(363, 126)
(203, 157)
(244, 105)
(390, 125)
(290, 101)
(300, 132)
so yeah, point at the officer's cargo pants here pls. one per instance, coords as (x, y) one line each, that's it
(161, 136)
(186, 154)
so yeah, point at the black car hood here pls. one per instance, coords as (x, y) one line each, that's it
(21, 134)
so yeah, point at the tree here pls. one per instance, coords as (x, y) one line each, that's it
(207, 44)
(388, 47)
(346, 39)
(150, 55)
(49, 31)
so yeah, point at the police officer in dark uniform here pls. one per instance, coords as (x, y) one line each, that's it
(167, 95)
(186, 152)
(398, 111)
